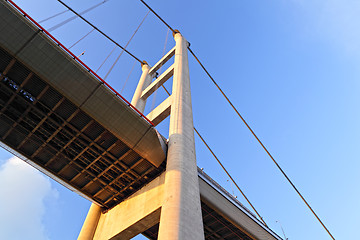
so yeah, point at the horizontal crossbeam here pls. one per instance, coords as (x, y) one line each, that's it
(162, 61)
(160, 112)
(158, 82)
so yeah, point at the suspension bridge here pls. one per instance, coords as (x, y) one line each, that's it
(61, 117)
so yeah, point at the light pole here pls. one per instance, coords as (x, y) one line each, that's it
(282, 230)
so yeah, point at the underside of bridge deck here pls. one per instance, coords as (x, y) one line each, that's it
(58, 116)
(215, 227)
(45, 127)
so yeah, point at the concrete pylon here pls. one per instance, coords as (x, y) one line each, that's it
(181, 211)
(144, 81)
(88, 229)
(92, 219)
(173, 198)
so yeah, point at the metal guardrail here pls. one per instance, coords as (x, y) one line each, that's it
(208, 178)
(232, 198)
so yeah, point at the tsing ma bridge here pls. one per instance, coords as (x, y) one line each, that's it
(60, 117)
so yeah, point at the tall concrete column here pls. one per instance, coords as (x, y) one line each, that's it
(181, 211)
(89, 227)
(144, 82)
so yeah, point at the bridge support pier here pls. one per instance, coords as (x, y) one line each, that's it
(91, 221)
(107, 152)
(144, 81)
(181, 211)
(172, 199)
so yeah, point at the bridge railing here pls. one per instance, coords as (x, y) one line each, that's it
(78, 60)
(233, 198)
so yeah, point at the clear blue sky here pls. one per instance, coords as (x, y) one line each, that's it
(290, 66)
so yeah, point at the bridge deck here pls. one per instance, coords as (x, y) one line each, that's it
(57, 114)
(224, 217)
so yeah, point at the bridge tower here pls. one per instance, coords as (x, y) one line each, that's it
(59, 116)
(172, 199)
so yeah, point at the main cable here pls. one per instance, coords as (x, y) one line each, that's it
(127, 44)
(223, 167)
(260, 142)
(101, 32)
(202, 139)
(227, 173)
(158, 16)
(247, 125)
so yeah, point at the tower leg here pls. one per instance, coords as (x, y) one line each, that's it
(181, 211)
(89, 227)
(144, 82)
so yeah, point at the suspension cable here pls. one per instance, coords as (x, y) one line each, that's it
(223, 167)
(260, 142)
(247, 125)
(81, 38)
(127, 44)
(74, 17)
(58, 14)
(157, 85)
(97, 29)
(203, 140)
(127, 79)
(227, 173)
(106, 58)
(165, 90)
(158, 16)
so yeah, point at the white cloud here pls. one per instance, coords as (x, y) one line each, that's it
(23, 190)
